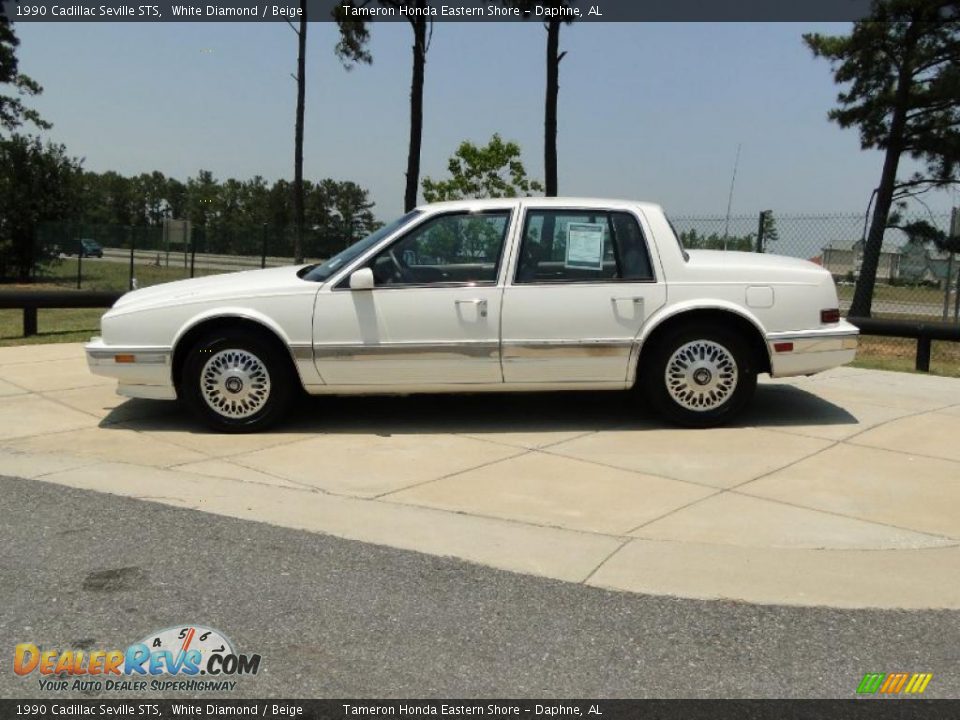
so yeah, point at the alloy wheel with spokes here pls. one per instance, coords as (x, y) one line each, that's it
(698, 375)
(701, 375)
(237, 380)
(235, 383)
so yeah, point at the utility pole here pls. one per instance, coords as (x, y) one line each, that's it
(955, 237)
(761, 226)
(298, 213)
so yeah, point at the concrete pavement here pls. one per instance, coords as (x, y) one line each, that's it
(841, 490)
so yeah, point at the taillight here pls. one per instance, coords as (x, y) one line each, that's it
(830, 316)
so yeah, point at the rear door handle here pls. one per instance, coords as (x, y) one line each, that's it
(636, 302)
(480, 304)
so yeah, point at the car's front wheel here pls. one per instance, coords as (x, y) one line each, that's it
(699, 376)
(236, 381)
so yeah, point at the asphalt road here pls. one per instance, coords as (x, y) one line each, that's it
(335, 618)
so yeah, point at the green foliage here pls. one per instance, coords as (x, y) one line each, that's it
(692, 240)
(38, 182)
(226, 216)
(901, 91)
(13, 113)
(492, 171)
(904, 57)
(770, 232)
(453, 240)
(354, 37)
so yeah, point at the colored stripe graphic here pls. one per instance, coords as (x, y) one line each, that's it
(894, 683)
(871, 683)
(918, 683)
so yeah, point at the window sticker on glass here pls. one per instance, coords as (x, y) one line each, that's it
(585, 246)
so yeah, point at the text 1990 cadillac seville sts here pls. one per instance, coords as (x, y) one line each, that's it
(484, 295)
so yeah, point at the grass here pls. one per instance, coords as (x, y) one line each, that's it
(53, 326)
(97, 274)
(880, 353)
(902, 294)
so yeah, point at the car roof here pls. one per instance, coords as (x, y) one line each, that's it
(570, 202)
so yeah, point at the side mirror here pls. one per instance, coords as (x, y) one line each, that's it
(362, 279)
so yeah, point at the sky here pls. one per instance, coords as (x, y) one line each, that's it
(646, 111)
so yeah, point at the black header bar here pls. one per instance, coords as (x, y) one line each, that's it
(439, 11)
(197, 709)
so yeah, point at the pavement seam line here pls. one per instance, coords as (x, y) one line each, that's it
(524, 447)
(902, 417)
(6, 444)
(391, 503)
(605, 560)
(720, 491)
(300, 486)
(903, 452)
(675, 510)
(394, 503)
(835, 443)
(834, 513)
(454, 473)
(185, 446)
(500, 518)
(661, 476)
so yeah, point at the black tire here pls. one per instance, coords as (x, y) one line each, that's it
(244, 374)
(708, 361)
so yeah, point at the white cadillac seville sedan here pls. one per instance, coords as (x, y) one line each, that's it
(484, 295)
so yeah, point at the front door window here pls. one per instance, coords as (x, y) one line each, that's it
(460, 248)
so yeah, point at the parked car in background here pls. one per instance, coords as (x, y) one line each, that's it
(91, 248)
(88, 248)
(518, 294)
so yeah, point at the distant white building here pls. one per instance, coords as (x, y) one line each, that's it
(843, 258)
(910, 263)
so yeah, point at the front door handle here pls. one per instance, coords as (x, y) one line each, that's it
(480, 304)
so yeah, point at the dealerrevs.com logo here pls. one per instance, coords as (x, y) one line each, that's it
(187, 658)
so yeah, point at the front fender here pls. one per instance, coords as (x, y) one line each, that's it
(244, 313)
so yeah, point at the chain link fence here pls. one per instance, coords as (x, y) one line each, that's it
(113, 257)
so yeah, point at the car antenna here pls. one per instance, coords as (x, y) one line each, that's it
(733, 180)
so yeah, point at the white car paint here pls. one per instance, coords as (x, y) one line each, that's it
(501, 336)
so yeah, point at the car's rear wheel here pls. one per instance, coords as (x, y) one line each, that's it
(699, 376)
(237, 381)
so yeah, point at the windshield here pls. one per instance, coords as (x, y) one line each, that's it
(323, 271)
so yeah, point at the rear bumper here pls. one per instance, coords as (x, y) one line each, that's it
(142, 372)
(812, 351)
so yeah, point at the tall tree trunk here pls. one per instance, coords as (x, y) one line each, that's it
(298, 213)
(862, 303)
(550, 108)
(416, 110)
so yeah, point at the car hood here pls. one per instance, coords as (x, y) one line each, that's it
(236, 285)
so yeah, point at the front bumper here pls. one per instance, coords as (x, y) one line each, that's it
(142, 372)
(812, 351)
